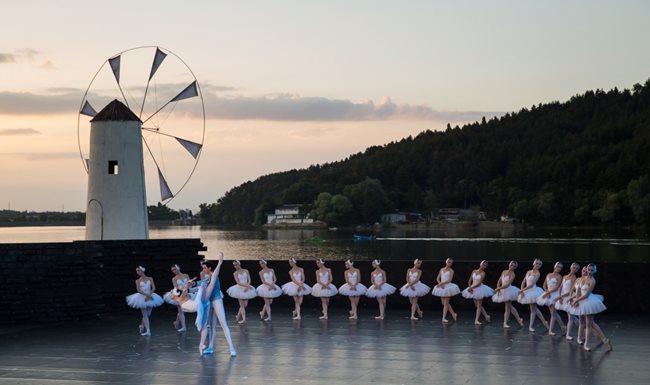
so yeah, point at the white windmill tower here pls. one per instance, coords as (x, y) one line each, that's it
(111, 143)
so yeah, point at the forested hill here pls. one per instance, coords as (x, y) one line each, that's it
(585, 161)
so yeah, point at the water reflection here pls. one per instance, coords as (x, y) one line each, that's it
(427, 243)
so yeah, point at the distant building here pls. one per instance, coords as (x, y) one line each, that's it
(402, 217)
(288, 214)
(453, 214)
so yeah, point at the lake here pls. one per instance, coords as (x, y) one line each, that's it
(462, 244)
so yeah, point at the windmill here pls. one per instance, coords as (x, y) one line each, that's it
(148, 136)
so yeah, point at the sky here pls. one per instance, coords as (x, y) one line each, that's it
(289, 84)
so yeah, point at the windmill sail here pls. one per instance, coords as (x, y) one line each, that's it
(87, 109)
(165, 191)
(191, 147)
(189, 92)
(157, 61)
(115, 66)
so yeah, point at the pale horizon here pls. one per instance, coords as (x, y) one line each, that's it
(290, 84)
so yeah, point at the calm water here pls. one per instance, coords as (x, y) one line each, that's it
(433, 244)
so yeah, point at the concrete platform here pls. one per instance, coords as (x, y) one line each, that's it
(310, 351)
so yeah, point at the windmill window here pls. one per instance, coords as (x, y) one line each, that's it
(112, 167)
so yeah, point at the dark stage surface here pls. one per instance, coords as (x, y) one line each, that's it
(338, 351)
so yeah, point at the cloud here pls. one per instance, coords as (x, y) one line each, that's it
(47, 65)
(275, 107)
(7, 58)
(286, 107)
(18, 131)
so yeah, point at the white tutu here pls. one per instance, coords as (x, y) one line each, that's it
(548, 301)
(346, 290)
(449, 290)
(169, 298)
(137, 301)
(480, 292)
(417, 290)
(588, 306)
(236, 291)
(564, 305)
(318, 291)
(530, 295)
(510, 293)
(290, 288)
(384, 290)
(264, 291)
(191, 305)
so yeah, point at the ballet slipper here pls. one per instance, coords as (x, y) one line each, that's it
(267, 319)
(181, 330)
(569, 338)
(141, 328)
(296, 317)
(488, 318)
(563, 328)
(531, 330)
(262, 314)
(506, 326)
(608, 344)
(322, 317)
(352, 317)
(379, 317)
(520, 322)
(208, 350)
(550, 333)
(545, 324)
(580, 341)
(454, 316)
(444, 320)
(233, 353)
(147, 333)
(241, 321)
(420, 313)
(414, 318)
(201, 349)
(586, 348)
(175, 323)
(477, 323)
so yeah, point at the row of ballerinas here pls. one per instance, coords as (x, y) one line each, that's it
(203, 297)
(569, 293)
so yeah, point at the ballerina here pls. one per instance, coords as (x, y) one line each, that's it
(268, 289)
(445, 289)
(179, 282)
(506, 293)
(530, 292)
(549, 297)
(413, 289)
(211, 299)
(323, 287)
(242, 290)
(145, 299)
(566, 293)
(352, 288)
(379, 288)
(477, 290)
(587, 305)
(296, 287)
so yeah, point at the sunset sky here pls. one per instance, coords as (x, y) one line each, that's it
(288, 84)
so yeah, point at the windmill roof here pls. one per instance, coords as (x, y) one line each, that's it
(116, 111)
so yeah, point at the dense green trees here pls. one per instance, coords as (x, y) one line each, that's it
(585, 161)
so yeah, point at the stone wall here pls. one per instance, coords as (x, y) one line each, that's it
(51, 282)
(47, 282)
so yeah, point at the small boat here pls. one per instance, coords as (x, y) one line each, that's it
(359, 237)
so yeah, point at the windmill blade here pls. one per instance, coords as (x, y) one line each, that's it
(157, 61)
(189, 92)
(191, 147)
(115, 67)
(88, 110)
(165, 191)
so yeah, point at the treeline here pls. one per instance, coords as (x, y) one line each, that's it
(9, 217)
(582, 162)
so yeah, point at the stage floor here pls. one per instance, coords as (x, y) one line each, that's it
(310, 351)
